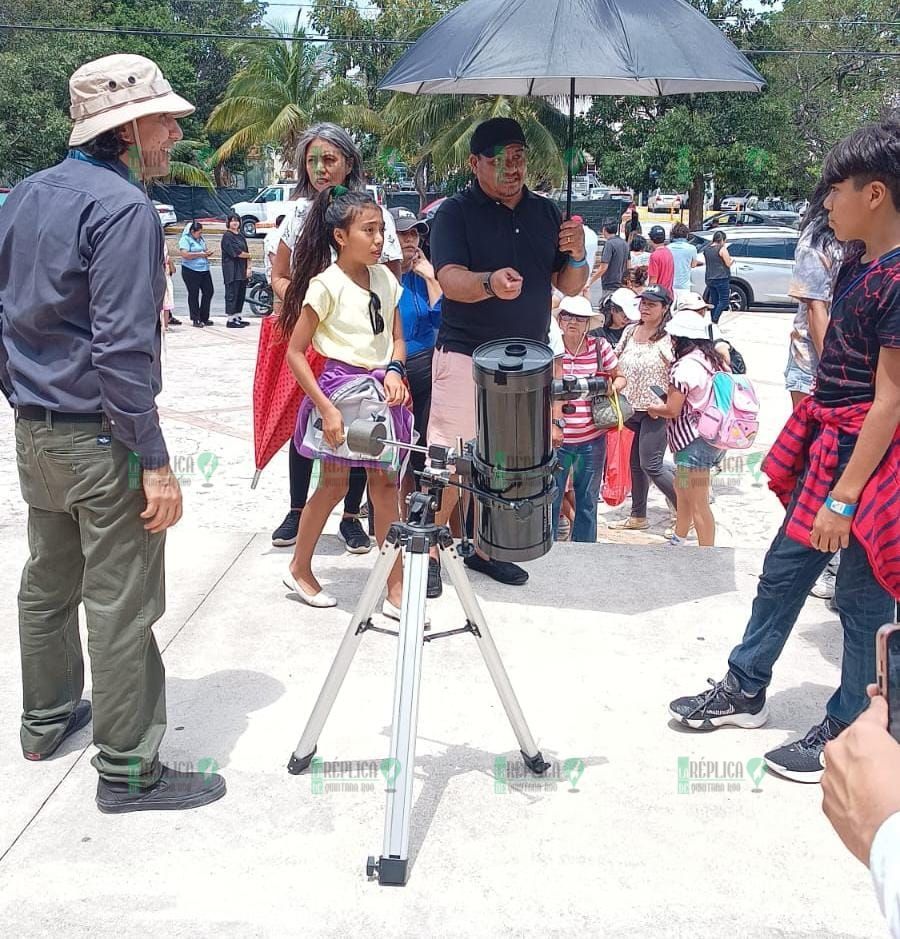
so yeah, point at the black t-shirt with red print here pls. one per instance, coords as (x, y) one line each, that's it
(865, 316)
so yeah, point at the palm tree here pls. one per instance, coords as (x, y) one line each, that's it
(281, 89)
(188, 166)
(434, 130)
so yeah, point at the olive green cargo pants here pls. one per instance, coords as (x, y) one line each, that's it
(88, 545)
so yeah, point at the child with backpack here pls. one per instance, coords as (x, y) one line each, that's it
(696, 362)
(348, 312)
(836, 468)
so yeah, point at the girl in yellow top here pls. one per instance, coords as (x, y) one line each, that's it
(348, 312)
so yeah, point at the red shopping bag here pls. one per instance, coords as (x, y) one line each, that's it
(617, 482)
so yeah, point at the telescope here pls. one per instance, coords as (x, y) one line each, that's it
(508, 468)
(510, 464)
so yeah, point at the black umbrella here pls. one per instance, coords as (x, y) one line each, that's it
(554, 48)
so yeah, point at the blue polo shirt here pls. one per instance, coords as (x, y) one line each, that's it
(188, 242)
(421, 320)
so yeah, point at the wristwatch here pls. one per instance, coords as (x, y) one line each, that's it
(559, 422)
(486, 283)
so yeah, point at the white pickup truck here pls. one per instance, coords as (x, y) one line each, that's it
(261, 213)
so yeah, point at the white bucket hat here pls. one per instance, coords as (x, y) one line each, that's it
(627, 301)
(581, 307)
(692, 301)
(117, 90)
(687, 325)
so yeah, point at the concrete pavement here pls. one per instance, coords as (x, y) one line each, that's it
(667, 834)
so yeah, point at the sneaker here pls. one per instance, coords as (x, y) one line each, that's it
(631, 524)
(723, 704)
(504, 572)
(354, 536)
(81, 715)
(236, 324)
(171, 792)
(198, 323)
(435, 584)
(674, 541)
(286, 533)
(803, 760)
(823, 588)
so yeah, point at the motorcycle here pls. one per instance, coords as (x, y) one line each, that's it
(260, 296)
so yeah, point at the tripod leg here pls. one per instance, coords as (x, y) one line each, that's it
(399, 772)
(453, 564)
(306, 748)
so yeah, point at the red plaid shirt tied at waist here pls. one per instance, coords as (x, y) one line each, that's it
(810, 438)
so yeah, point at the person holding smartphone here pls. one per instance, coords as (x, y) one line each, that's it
(195, 255)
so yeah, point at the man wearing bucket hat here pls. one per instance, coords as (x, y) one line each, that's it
(80, 363)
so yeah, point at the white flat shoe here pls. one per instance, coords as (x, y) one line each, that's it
(320, 599)
(393, 612)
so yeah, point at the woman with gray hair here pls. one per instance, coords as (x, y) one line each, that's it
(326, 156)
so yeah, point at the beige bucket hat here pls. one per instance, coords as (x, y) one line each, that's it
(116, 90)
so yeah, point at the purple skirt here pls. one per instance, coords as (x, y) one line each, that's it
(334, 376)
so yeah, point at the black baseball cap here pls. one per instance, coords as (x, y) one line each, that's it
(404, 220)
(657, 234)
(494, 135)
(657, 293)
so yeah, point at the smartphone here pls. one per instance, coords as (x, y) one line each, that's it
(887, 644)
(662, 395)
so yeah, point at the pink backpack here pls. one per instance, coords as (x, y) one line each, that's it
(731, 419)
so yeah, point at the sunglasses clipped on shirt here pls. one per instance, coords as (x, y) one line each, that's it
(375, 317)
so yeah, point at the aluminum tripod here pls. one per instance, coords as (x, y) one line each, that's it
(413, 539)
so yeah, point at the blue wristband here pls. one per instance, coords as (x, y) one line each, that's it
(845, 509)
(573, 263)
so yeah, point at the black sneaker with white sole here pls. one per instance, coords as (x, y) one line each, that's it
(354, 536)
(286, 533)
(803, 760)
(723, 704)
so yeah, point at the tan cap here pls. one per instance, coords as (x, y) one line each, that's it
(116, 90)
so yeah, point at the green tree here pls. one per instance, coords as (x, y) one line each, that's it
(279, 90)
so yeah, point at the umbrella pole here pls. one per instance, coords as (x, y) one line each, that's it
(570, 150)
(256, 476)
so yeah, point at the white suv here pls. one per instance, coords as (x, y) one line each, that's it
(262, 212)
(763, 264)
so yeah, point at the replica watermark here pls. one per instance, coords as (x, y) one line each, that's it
(206, 766)
(515, 774)
(331, 776)
(719, 776)
(186, 467)
(733, 472)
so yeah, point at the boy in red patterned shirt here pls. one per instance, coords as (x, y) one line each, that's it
(836, 466)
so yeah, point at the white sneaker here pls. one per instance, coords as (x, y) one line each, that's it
(823, 588)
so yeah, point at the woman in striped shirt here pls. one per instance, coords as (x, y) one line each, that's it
(583, 450)
(690, 392)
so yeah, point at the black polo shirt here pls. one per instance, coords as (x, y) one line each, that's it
(472, 230)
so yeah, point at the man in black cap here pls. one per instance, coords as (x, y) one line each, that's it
(498, 250)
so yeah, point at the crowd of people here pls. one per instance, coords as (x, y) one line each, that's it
(366, 318)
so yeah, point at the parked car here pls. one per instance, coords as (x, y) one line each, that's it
(262, 212)
(660, 201)
(763, 264)
(166, 213)
(756, 217)
(739, 201)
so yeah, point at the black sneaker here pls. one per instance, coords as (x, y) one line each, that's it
(198, 323)
(803, 760)
(286, 533)
(435, 584)
(353, 535)
(504, 572)
(80, 716)
(171, 792)
(723, 704)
